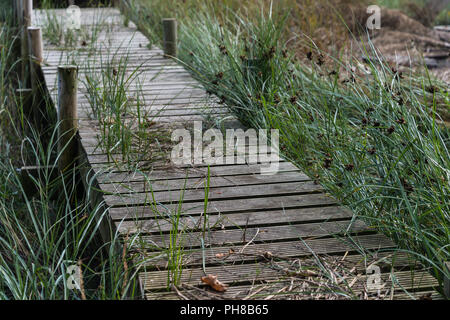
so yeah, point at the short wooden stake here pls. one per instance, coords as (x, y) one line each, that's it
(170, 37)
(67, 116)
(35, 44)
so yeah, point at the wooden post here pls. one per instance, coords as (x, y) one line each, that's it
(27, 8)
(67, 116)
(170, 37)
(18, 12)
(27, 12)
(36, 58)
(35, 45)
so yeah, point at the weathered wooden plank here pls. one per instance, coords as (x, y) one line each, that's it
(271, 287)
(172, 96)
(95, 65)
(238, 156)
(164, 101)
(224, 206)
(191, 183)
(219, 193)
(235, 275)
(164, 223)
(244, 234)
(279, 250)
(149, 114)
(266, 166)
(192, 172)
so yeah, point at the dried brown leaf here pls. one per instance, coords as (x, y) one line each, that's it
(211, 280)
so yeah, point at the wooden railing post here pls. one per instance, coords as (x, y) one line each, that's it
(67, 116)
(18, 12)
(36, 58)
(27, 8)
(27, 12)
(170, 37)
(36, 47)
(35, 44)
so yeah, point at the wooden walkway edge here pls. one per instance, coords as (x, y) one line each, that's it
(267, 236)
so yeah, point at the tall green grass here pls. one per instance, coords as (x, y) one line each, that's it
(44, 233)
(47, 224)
(373, 139)
(117, 100)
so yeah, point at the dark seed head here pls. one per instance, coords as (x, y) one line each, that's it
(391, 130)
(320, 60)
(432, 89)
(349, 167)
(408, 187)
(400, 121)
(276, 98)
(293, 99)
(327, 162)
(223, 49)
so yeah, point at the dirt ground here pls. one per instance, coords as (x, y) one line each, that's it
(405, 43)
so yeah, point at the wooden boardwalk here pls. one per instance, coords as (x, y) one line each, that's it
(265, 233)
